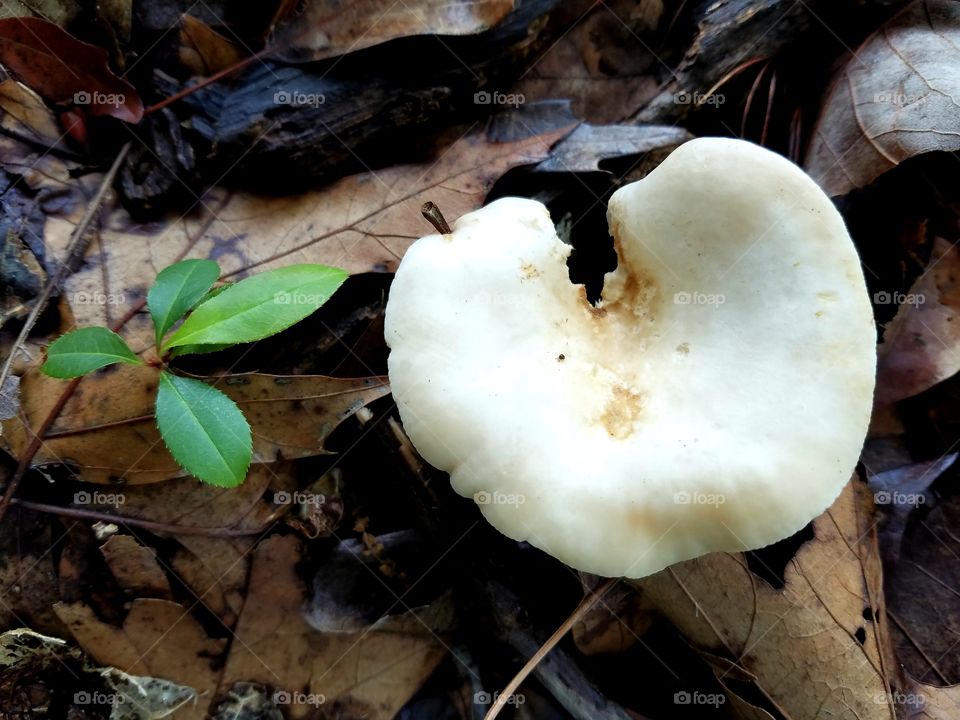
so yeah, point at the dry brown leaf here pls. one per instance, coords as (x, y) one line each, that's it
(135, 568)
(203, 50)
(159, 639)
(362, 223)
(324, 28)
(896, 98)
(801, 643)
(920, 345)
(370, 673)
(107, 433)
(602, 65)
(184, 501)
(215, 570)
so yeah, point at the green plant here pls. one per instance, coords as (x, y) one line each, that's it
(204, 429)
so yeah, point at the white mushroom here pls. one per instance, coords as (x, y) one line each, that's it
(716, 399)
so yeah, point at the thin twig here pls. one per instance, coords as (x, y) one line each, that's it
(582, 609)
(151, 525)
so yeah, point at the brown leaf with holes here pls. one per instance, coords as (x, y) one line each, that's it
(921, 345)
(322, 28)
(106, 431)
(895, 99)
(65, 70)
(819, 646)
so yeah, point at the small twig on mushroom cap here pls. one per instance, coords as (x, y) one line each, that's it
(433, 215)
(582, 609)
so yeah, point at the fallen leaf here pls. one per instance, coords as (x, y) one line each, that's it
(60, 12)
(586, 147)
(158, 639)
(818, 647)
(203, 50)
(601, 62)
(921, 345)
(369, 673)
(323, 28)
(135, 568)
(106, 431)
(361, 223)
(895, 99)
(65, 70)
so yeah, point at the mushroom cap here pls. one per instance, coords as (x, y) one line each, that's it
(715, 399)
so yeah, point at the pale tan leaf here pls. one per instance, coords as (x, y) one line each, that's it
(801, 643)
(324, 28)
(896, 98)
(921, 345)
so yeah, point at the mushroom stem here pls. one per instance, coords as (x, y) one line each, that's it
(585, 606)
(433, 215)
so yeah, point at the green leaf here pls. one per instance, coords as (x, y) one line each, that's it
(85, 350)
(204, 430)
(177, 289)
(199, 349)
(259, 306)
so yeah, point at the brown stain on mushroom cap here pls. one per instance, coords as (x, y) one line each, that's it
(622, 410)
